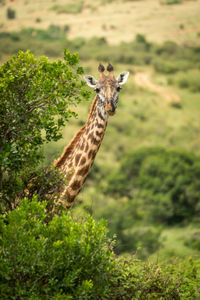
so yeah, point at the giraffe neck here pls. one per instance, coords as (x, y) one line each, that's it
(79, 156)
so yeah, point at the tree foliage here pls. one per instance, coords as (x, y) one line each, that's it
(165, 183)
(66, 259)
(60, 259)
(133, 233)
(36, 100)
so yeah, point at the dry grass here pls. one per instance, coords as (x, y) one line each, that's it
(117, 21)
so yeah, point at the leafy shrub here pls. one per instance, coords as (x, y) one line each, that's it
(71, 8)
(167, 48)
(64, 259)
(190, 80)
(165, 181)
(144, 240)
(107, 1)
(194, 241)
(59, 260)
(66, 28)
(131, 235)
(136, 52)
(35, 94)
(78, 43)
(172, 57)
(38, 20)
(11, 13)
(140, 38)
(53, 33)
(165, 67)
(170, 2)
(135, 280)
(182, 81)
(177, 105)
(28, 105)
(45, 183)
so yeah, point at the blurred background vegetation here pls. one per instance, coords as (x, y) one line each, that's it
(145, 180)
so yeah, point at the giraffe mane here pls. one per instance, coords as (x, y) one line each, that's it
(68, 150)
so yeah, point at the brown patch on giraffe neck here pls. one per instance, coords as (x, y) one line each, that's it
(100, 125)
(70, 198)
(92, 154)
(95, 141)
(76, 185)
(77, 158)
(99, 133)
(86, 147)
(83, 161)
(84, 170)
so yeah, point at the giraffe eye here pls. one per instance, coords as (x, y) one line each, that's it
(97, 90)
(119, 88)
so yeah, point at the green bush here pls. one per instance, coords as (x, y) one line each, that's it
(165, 182)
(11, 13)
(107, 1)
(135, 280)
(194, 241)
(132, 235)
(168, 48)
(170, 2)
(59, 260)
(43, 182)
(166, 67)
(64, 259)
(190, 80)
(34, 107)
(53, 33)
(170, 57)
(70, 8)
(38, 20)
(182, 81)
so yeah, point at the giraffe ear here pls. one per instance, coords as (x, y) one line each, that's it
(91, 81)
(122, 78)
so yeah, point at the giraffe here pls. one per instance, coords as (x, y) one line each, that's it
(78, 157)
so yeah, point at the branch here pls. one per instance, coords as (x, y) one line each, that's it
(35, 107)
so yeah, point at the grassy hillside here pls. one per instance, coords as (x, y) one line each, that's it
(117, 20)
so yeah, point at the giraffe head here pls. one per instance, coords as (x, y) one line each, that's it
(107, 88)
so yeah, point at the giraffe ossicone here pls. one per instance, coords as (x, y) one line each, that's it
(78, 157)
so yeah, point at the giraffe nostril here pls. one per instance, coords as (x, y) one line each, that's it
(112, 106)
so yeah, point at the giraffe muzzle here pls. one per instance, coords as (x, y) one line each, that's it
(111, 108)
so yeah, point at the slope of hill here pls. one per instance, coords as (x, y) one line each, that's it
(116, 20)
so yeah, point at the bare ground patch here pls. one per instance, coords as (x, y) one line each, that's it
(143, 80)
